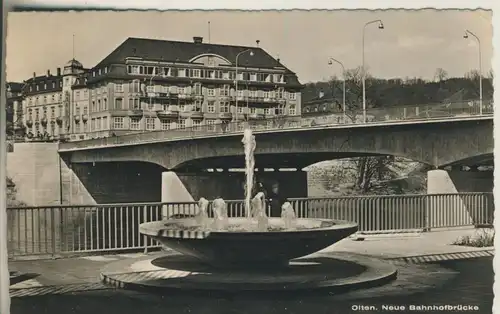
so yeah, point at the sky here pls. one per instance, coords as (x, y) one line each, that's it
(412, 43)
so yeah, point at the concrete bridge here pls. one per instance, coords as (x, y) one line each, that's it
(129, 168)
(437, 142)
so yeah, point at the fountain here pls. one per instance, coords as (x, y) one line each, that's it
(253, 246)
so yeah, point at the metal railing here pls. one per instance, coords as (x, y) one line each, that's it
(457, 110)
(56, 230)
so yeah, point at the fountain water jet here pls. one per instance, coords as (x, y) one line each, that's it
(249, 145)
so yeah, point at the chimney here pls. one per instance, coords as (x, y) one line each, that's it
(48, 73)
(198, 40)
(321, 94)
(257, 42)
(34, 74)
(58, 71)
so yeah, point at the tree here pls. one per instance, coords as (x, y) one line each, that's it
(441, 74)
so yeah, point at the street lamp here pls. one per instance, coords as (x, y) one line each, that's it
(330, 62)
(236, 79)
(466, 35)
(380, 26)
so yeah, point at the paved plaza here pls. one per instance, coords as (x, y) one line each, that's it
(457, 276)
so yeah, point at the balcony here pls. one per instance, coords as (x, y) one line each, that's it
(29, 123)
(136, 112)
(59, 120)
(256, 116)
(158, 96)
(44, 121)
(85, 118)
(77, 119)
(225, 116)
(170, 113)
(196, 115)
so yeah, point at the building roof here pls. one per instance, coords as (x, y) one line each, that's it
(73, 63)
(179, 51)
(14, 87)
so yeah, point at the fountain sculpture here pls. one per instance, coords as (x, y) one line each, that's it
(251, 240)
(249, 253)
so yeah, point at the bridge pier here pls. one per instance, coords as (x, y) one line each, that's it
(455, 181)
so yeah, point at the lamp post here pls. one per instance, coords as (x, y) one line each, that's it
(330, 62)
(466, 35)
(236, 80)
(380, 26)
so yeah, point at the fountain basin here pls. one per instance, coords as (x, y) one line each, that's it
(239, 246)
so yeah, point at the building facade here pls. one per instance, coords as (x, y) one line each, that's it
(14, 110)
(152, 85)
(148, 85)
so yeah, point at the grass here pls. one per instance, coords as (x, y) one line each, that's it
(483, 238)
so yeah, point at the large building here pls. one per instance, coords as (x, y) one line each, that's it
(147, 85)
(14, 110)
(48, 102)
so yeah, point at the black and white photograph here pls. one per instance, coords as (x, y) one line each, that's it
(253, 162)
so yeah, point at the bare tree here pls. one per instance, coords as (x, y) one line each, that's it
(441, 74)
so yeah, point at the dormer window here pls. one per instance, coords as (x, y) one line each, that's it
(53, 84)
(106, 70)
(45, 86)
(37, 88)
(60, 83)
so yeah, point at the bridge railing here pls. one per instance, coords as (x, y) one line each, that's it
(60, 230)
(375, 115)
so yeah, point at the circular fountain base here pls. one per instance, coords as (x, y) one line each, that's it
(335, 272)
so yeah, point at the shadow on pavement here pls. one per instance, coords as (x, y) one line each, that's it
(472, 287)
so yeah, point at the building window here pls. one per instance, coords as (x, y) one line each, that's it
(105, 69)
(135, 123)
(266, 94)
(278, 78)
(53, 84)
(196, 122)
(182, 123)
(268, 111)
(181, 72)
(150, 123)
(93, 106)
(197, 89)
(166, 125)
(196, 73)
(280, 110)
(241, 109)
(77, 111)
(253, 77)
(134, 103)
(98, 124)
(105, 104)
(211, 124)
(118, 123)
(240, 93)
(181, 90)
(118, 87)
(224, 90)
(135, 86)
(93, 124)
(77, 95)
(133, 69)
(292, 110)
(224, 106)
(118, 103)
(84, 110)
(293, 96)
(211, 106)
(210, 92)
(280, 94)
